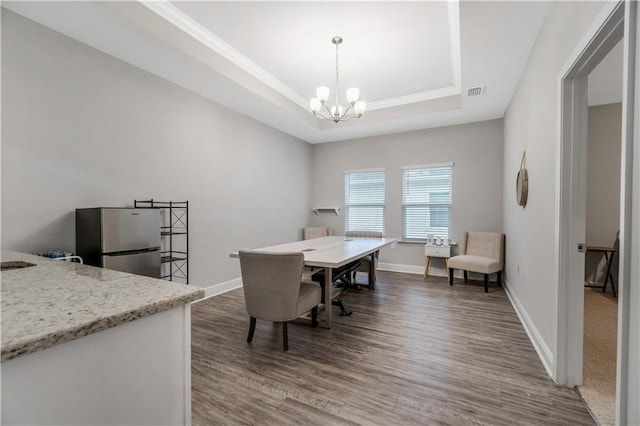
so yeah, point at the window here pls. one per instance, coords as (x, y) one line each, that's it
(364, 200)
(426, 201)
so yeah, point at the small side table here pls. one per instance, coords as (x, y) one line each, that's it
(442, 251)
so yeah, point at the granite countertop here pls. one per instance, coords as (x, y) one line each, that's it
(56, 301)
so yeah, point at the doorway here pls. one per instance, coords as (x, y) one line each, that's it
(598, 388)
(571, 189)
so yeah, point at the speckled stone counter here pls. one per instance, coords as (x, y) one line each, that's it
(55, 302)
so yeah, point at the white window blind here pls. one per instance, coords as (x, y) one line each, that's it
(426, 201)
(364, 200)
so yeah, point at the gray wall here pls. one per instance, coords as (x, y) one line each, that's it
(475, 149)
(82, 129)
(531, 125)
(603, 184)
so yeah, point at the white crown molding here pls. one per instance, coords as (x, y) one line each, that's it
(454, 36)
(182, 21)
(413, 98)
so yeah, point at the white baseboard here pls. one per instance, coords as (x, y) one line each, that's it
(544, 353)
(407, 269)
(220, 288)
(413, 269)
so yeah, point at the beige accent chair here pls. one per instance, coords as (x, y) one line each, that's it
(369, 263)
(311, 232)
(481, 252)
(273, 290)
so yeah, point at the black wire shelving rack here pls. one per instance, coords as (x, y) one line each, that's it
(175, 237)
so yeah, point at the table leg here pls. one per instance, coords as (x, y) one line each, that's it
(372, 271)
(328, 287)
(427, 261)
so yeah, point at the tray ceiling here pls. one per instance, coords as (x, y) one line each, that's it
(412, 61)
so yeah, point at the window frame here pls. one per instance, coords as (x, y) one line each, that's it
(348, 206)
(405, 206)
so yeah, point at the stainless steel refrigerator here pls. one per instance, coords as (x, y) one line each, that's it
(123, 239)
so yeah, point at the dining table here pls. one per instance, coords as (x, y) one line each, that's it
(330, 253)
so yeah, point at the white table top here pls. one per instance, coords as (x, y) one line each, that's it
(331, 252)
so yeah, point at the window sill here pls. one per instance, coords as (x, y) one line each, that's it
(422, 243)
(413, 243)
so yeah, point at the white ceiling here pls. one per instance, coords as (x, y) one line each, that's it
(412, 61)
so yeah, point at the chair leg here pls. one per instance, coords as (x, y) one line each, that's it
(500, 278)
(451, 276)
(252, 329)
(486, 283)
(314, 317)
(343, 310)
(466, 277)
(285, 337)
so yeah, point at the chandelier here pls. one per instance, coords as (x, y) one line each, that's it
(337, 112)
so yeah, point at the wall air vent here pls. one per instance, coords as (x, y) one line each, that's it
(475, 91)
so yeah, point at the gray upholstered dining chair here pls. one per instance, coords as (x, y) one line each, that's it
(481, 252)
(369, 262)
(310, 232)
(273, 290)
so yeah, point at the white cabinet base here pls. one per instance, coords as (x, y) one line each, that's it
(135, 373)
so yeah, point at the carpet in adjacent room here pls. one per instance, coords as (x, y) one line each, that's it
(600, 345)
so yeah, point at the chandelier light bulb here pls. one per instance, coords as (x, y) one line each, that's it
(322, 93)
(359, 108)
(336, 113)
(352, 95)
(315, 105)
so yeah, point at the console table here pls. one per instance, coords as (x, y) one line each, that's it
(441, 251)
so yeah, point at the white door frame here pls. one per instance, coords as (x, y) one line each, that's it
(628, 374)
(571, 188)
(617, 19)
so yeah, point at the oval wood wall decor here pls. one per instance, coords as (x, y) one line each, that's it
(522, 184)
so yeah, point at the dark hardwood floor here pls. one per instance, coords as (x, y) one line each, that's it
(414, 352)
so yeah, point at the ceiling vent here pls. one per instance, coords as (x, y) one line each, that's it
(475, 91)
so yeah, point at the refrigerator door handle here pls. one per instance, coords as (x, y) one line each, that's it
(129, 252)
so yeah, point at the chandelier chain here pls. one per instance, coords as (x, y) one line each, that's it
(337, 72)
